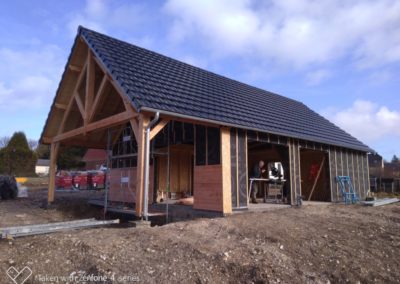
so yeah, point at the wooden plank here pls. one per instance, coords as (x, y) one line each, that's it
(142, 123)
(298, 169)
(52, 171)
(317, 178)
(226, 170)
(208, 188)
(158, 128)
(291, 172)
(95, 126)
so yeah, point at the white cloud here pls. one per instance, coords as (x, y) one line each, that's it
(316, 77)
(367, 121)
(31, 77)
(101, 16)
(297, 33)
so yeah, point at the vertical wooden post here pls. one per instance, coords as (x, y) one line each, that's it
(226, 170)
(52, 171)
(140, 139)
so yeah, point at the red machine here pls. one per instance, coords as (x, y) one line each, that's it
(97, 179)
(81, 180)
(64, 180)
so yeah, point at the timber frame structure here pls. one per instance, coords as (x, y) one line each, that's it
(104, 87)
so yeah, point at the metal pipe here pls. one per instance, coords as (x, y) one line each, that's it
(147, 166)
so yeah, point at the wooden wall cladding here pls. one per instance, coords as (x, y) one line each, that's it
(349, 163)
(126, 191)
(208, 188)
(181, 165)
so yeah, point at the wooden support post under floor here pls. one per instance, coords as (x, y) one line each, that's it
(52, 171)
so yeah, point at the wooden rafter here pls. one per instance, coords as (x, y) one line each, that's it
(158, 128)
(97, 99)
(90, 81)
(67, 111)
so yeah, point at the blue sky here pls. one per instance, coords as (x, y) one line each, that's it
(341, 58)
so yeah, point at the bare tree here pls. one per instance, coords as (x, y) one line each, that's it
(33, 144)
(4, 141)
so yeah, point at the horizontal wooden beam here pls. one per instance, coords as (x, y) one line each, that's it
(97, 125)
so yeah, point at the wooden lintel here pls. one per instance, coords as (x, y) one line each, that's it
(97, 125)
(60, 106)
(158, 128)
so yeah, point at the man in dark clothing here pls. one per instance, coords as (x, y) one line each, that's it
(256, 173)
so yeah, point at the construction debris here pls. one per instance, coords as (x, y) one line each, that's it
(380, 202)
(28, 230)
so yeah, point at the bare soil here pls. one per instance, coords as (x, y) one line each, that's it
(311, 244)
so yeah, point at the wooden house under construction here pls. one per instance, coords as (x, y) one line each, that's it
(176, 129)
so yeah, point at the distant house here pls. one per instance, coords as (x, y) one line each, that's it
(391, 170)
(42, 167)
(376, 165)
(94, 158)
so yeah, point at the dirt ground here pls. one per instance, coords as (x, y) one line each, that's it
(311, 244)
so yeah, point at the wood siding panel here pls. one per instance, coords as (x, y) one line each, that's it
(126, 192)
(350, 163)
(208, 188)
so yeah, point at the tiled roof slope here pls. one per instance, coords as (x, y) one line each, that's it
(154, 81)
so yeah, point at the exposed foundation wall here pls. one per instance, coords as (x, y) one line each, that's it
(123, 185)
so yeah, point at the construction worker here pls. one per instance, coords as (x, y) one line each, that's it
(258, 170)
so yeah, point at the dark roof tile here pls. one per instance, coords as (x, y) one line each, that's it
(158, 82)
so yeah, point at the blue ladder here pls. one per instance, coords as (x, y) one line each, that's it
(348, 193)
